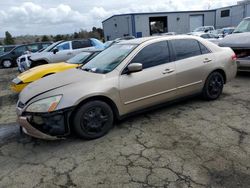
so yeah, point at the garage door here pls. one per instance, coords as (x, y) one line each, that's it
(195, 21)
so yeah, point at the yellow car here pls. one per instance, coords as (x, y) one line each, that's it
(31, 75)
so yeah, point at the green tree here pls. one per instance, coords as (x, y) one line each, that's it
(76, 35)
(45, 38)
(8, 39)
(58, 38)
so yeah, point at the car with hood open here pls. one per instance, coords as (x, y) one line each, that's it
(239, 41)
(31, 75)
(125, 78)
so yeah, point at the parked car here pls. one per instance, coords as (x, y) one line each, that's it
(206, 29)
(8, 59)
(23, 61)
(239, 41)
(64, 51)
(22, 80)
(208, 36)
(129, 76)
(218, 32)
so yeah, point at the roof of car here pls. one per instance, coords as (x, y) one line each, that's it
(165, 37)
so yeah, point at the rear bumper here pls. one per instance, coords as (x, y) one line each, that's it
(30, 130)
(243, 64)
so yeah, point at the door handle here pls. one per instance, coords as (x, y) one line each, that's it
(69, 53)
(206, 60)
(167, 71)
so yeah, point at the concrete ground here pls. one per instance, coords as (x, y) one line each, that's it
(188, 144)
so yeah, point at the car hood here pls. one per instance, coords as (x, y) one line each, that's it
(237, 40)
(56, 81)
(38, 72)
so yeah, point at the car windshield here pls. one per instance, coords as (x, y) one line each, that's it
(109, 59)
(80, 58)
(244, 26)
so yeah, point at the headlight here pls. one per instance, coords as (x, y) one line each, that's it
(44, 105)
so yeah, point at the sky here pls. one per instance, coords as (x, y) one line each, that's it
(23, 17)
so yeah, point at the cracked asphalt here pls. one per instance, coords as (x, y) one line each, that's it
(192, 143)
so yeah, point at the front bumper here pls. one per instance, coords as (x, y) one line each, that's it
(243, 64)
(48, 126)
(29, 130)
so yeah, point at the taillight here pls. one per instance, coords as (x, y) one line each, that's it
(234, 57)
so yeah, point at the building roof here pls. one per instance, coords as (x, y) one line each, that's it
(147, 13)
(171, 12)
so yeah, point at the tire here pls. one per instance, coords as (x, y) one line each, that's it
(93, 120)
(7, 63)
(213, 86)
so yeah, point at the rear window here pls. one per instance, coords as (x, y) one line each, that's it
(81, 44)
(185, 48)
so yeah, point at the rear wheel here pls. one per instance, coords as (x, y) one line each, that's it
(7, 63)
(93, 120)
(213, 86)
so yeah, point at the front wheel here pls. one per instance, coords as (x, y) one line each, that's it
(7, 63)
(93, 120)
(213, 86)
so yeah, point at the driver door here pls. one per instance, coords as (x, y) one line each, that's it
(154, 84)
(64, 53)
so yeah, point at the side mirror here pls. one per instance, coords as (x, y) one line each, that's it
(206, 30)
(55, 51)
(134, 67)
(14, 53)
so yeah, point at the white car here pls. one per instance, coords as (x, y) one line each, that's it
(206, 29)
(61, 51)
(208, 36)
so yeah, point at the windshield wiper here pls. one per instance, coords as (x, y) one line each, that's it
(237, 32)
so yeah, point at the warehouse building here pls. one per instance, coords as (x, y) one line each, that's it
(147, 24)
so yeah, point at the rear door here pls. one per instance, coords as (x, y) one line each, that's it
(193, 61)
(154, 84)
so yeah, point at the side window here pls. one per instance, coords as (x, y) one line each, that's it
(20, 50)
(63, 46)
(81, 44)
(204, 50)
(153, 55)
(33, 47)
(185, 48)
